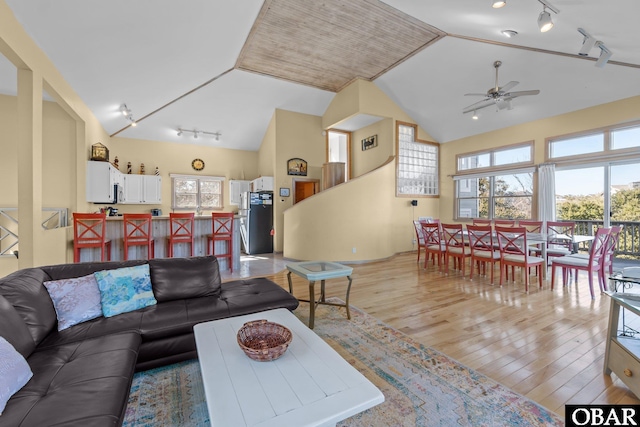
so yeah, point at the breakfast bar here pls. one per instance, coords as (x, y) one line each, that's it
(202, 227)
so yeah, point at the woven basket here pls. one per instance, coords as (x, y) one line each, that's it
(262, 340)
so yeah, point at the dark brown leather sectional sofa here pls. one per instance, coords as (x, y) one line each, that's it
(82, 375)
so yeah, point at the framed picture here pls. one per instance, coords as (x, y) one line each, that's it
(296, 166)
(370, 142)
(284, 192)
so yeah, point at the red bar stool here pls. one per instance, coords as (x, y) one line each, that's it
(222, 231)
(137, 232)
(89, 231)
(180, 230)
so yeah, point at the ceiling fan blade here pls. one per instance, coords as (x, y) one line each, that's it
(478, 105)
(475, 94)
(521, 93)
(508, 86)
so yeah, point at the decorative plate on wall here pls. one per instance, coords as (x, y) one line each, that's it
(197, 164)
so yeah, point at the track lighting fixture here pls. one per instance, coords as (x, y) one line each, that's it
(197, 133)
(496, 4)
(605, 54)
(588, 42)
(127, 113)
(475, 115)
(544, 20)
(509, 33)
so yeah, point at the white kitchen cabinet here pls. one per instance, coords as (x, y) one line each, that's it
(236, 188)
(142, 189)
(103, 182)
(264, 183)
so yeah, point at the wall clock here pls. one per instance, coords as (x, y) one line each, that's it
(197, 164)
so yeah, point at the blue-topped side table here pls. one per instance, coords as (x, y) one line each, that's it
(319, 270)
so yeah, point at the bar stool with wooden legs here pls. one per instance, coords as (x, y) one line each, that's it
(222, 231)
(180, 231)
(89, 231)
(137, 232)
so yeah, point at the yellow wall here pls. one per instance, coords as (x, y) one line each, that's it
(172, 158)
(590, 118)
(365, 161)
(267, 152)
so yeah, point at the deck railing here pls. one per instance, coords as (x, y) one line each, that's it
(629, 243)
(51, 218)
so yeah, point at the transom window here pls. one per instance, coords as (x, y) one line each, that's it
(507, 156)
(417, 163)
(611, 141)
(197, 192)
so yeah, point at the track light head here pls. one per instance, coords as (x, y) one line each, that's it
(588, 42)
(544, 21)
(605, 54)
(475, 115)
(195, 134)
(179, 132)
(124, 110)
(496, 4)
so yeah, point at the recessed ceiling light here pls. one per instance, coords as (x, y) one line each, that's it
(509, 33)
(498, 3)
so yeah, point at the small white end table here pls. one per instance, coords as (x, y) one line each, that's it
(319, 270)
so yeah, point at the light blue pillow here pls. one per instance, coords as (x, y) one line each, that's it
(14, 372)
(125, 289)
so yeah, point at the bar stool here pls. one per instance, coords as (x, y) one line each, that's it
(180, 230)
(89, 231)
(222, 231)
(137, 232)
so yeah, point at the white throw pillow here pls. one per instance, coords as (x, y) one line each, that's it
(75, 300)
(14, 372)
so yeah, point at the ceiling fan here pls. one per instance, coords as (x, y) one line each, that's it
(500, 96)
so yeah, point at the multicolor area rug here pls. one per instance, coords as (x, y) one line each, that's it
(422, 386)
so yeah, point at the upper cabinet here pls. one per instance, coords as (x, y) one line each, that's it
(142, 189)
(264, 183)
(103, 182)
(106, 184)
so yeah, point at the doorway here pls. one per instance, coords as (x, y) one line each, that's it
(303, 188)
(339, 150)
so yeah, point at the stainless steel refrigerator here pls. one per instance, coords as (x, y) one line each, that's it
(257, 225)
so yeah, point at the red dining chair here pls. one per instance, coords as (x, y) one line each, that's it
(138, 232)
(419, 237)
(482, 222)
(514, 252)
(482, 249)
(89, 231)
(593, 264)
(608, 255)
(531, 226)
(560, 238)
(180, 231)
(455, 247)
(504, 222)
(433, 243)
(222, 231)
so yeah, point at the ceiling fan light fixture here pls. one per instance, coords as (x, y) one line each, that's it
(509, 33)
(497, 4)
(544, 21)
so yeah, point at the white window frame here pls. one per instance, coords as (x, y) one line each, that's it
(198, 179)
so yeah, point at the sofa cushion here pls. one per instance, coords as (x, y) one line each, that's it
(124, 289)
(179, 278)
(14, 330)
(253, 295)
(79, 269)
(78, 384)
(14, 372)
(75, 300)
(24, 290)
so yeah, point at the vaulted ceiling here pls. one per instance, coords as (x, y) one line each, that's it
(226, 66)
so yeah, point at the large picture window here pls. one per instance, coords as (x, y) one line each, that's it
(197, 192)
(417, 164)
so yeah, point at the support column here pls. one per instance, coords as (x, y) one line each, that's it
(30, 167)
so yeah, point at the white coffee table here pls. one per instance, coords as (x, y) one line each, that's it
(310, 385)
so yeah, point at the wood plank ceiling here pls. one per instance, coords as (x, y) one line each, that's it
(327, 44)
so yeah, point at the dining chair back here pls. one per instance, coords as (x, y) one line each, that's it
(433, 243)
(560, 238)
(610, 250)
(222, 226)
(482, 249)
(138, 232)
(419, 237)
(89, 231)
(453, 237)
(481, 222)
(593, 264)
(180, 231)
(504, 222)
(514, 252)
(531, 226)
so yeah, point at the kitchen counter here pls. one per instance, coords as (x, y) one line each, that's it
(160, 228)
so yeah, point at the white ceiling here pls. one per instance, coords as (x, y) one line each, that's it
(148, 53)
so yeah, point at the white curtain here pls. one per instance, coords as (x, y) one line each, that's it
(546, 193)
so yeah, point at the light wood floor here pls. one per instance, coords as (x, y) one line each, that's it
(548, 345)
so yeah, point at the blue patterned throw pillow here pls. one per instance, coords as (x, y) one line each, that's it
(124, 289)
